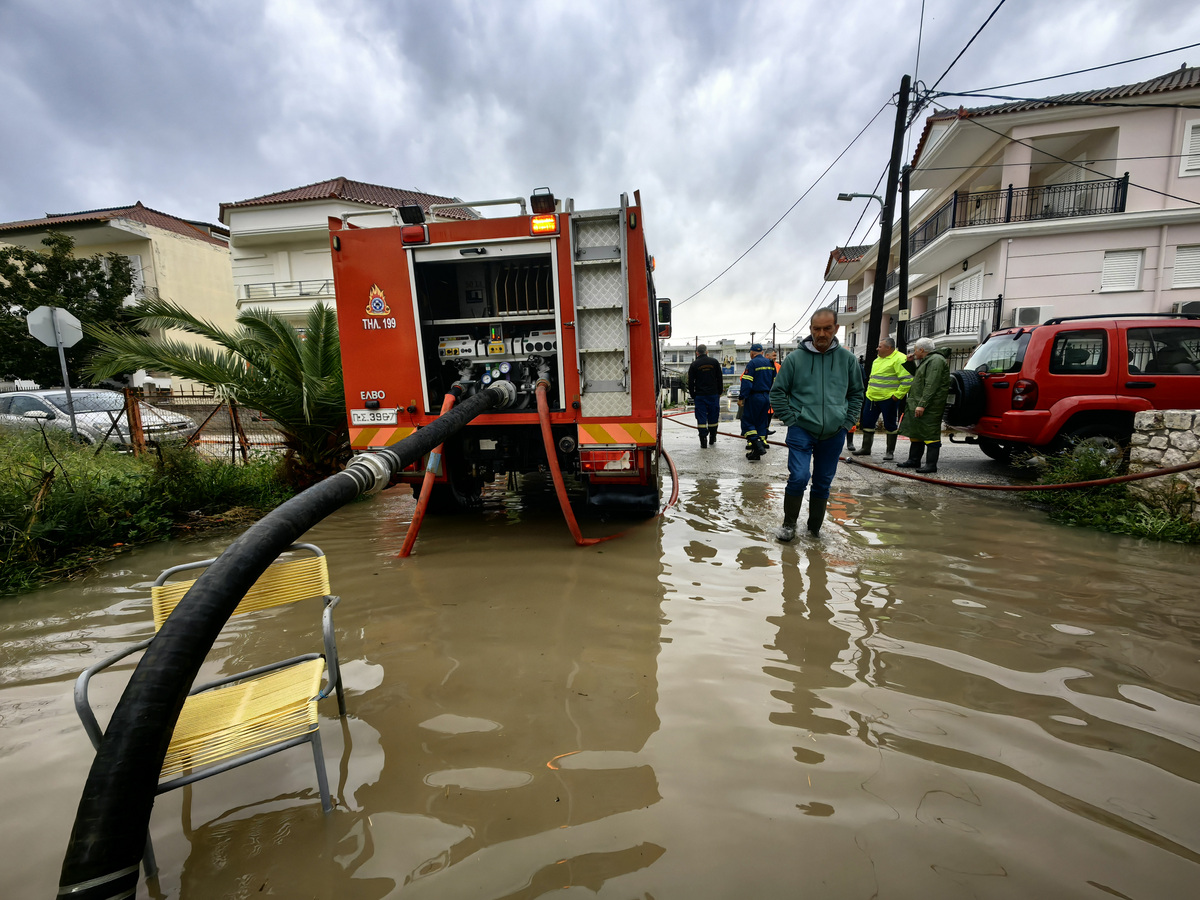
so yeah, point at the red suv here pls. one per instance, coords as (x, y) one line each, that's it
(1074, 379)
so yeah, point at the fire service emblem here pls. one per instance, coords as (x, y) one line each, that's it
(377, 303)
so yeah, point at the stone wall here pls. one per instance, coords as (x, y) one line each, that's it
(1164, 438)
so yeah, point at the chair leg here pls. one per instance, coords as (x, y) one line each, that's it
(149, 863)
(322, 778)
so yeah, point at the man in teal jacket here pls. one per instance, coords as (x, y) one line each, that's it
(818, 395)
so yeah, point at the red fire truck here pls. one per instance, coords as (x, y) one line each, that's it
(556, 297)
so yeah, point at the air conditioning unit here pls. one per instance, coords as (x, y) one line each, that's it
(1025, 316)
(1187, 306)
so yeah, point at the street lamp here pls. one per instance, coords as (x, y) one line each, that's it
(852, 196)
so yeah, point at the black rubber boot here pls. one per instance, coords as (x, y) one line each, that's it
(850, 441)
(868, 439)
(791, 512)
(712, 434)
(703, 437)
(931, 461)
(816, 513)
(759, 449)
(891, 445)
(916, 449)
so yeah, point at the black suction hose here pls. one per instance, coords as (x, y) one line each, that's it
(109, 834)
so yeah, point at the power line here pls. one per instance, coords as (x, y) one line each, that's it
(826, 288)
(793, 206)
(997, 87)
(969, 43)
(916, 72)
(1069, 162)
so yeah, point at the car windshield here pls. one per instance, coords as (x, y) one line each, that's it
(89, 401)
(1000, 353)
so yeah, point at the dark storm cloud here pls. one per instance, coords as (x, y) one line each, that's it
(723, 114)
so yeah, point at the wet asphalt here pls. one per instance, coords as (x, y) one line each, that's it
(959, 462)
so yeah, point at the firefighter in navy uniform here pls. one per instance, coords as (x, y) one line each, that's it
(755, 402)
(705, 386)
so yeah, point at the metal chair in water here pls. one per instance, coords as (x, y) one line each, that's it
(242, 718)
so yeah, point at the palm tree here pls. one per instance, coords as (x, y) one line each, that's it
(264, 364)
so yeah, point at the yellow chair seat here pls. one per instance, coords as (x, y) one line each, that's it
(245, 716)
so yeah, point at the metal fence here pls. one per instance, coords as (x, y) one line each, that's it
(136, 420)
(223, 429)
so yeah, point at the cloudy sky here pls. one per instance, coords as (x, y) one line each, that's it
(722, 113)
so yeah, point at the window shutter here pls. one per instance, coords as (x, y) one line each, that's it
(969, 289)
(1190, 164)
(135, 264)
(1187, 267)
(1121, 271)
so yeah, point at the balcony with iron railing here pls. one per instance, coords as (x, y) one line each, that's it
(955, 319)
(965, 209)
(287, 290)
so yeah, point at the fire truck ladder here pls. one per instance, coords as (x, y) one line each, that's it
(600, 280)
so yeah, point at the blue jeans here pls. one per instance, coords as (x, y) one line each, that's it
(708, 409)
(806, 451)
(873, 409)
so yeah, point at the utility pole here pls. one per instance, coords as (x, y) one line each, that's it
(885, 224)
(772, 335)
(902, 311)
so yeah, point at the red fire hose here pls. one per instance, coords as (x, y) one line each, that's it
(435, 457)
(560, 488)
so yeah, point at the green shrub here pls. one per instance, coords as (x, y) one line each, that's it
(63, 505)
(1110, 507)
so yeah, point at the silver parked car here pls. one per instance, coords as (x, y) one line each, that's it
(99, 415)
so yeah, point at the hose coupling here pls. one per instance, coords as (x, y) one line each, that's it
(507, 391)
(372, 471)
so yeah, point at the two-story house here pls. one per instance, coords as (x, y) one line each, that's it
(1075, 204)
(184, 261)
(280, 241)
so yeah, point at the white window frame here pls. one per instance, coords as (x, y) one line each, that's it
(1189, 159)
(1118, 257)
(1190, 270)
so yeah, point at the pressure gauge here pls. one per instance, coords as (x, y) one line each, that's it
(495, 374)
(486, 379)
(505, 367)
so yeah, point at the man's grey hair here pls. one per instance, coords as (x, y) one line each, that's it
(822, 311)
(925, 344)
(701, 349)
(887, 340)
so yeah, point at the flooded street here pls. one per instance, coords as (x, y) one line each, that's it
(944, 696)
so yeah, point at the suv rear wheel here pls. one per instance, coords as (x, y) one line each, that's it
(967, 398)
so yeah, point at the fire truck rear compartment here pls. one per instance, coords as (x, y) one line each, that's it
(488, 320)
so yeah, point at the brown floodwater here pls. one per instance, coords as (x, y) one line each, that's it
(944, 696)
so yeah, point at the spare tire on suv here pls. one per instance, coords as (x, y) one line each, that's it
(967, 402)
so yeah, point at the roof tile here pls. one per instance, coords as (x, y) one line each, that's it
(357, 192)
(136, 213)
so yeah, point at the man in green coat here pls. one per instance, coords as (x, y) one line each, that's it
(818, 395)
(922, 423)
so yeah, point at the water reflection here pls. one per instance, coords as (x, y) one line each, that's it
(940, 697)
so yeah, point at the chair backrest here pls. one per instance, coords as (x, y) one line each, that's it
(285, 581)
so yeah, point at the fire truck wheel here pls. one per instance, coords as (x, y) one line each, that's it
(460, 494)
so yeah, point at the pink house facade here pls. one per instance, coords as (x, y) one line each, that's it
(1079, 204)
